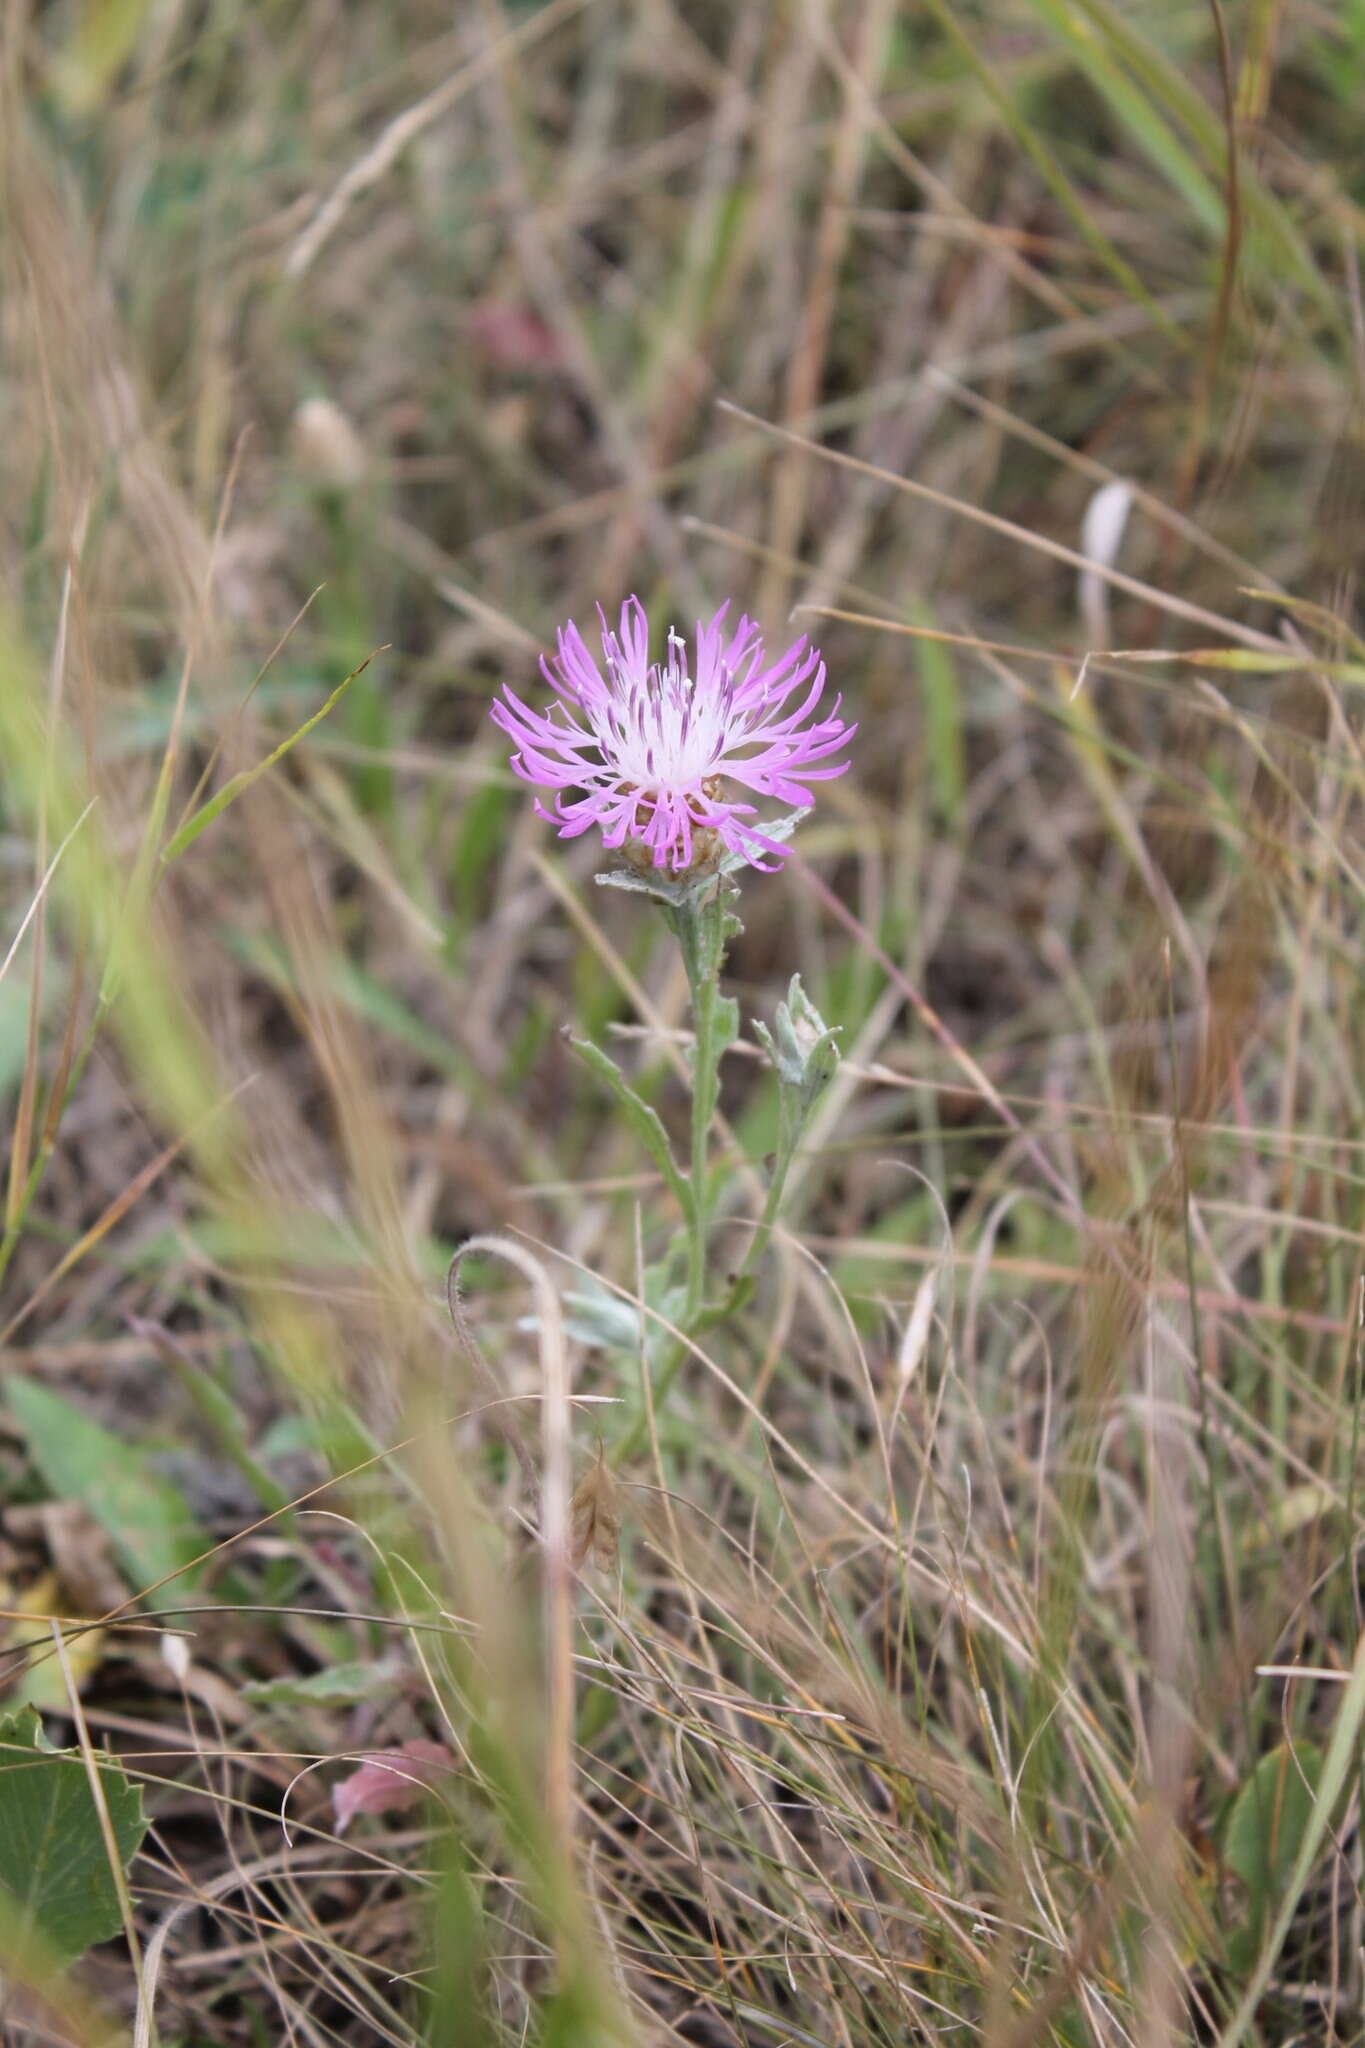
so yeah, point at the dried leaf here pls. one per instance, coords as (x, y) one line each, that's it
(514, 335)
(391, 1780)
(42, 1682)
(916, 1333)
(595, 1517)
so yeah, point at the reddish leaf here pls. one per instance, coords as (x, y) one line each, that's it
(390, 1780)
(515, 336)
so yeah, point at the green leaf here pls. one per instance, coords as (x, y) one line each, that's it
(1140, 111)
(717, 1026)
(479, 838)
(598, 1317)
(1150, 91)
(643, 1120)
(771, 828)
(803, 1049)
(612, 1322)
(54, 1862)
(687, 894)
(1064, 190)
(1264, 1833)
(336, 1683)
(1340, 1767)
(942, 720)
(147, 1518)
(368, 998)
(235, 784)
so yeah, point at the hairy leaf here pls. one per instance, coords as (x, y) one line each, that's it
(54, 1860)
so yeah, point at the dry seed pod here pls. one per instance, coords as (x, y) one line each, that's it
(595, 1517)
(326, 446)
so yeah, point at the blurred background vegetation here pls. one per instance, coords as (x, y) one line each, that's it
(931, 1668)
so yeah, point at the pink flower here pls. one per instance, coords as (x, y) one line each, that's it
(650, 746)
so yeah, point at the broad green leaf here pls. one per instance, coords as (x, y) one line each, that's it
(1142, 114)
(147, 1518)
(480, 835)
(1264, 1833)
(289, 1435)
(643, 1120)
(366, 997)
(54, 1861)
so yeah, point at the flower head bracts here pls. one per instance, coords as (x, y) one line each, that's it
(649, 746)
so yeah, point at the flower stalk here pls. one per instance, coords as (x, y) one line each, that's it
(702, 923)
(804, 1055)
(645, 752)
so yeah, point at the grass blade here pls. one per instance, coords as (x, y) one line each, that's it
(235, 784)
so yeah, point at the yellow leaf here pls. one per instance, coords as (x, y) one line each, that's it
(104, 38)
(1299, 1506)
(41, 1684)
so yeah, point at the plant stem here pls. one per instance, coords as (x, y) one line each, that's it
(702, 1102)
(804, 1055)
(762, 1231)
(701, 925)
(698, 1319)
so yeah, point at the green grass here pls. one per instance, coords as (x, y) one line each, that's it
(930, 1683)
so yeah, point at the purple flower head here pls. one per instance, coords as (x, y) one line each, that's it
(650, 746)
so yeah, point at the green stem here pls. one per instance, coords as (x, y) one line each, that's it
(763, 1229)
(15, 1227)
(703, 1013)
(804, 1055)
(695, 1323)
(699, 924)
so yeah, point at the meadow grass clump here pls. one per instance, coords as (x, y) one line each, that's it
(539, 1500)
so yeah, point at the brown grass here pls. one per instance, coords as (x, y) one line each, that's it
(902, 1689)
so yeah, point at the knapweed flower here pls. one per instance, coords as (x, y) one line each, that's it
(650, 748)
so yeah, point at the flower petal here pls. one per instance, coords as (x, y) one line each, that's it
(645, 744)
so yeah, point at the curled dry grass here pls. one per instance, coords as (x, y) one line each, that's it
(909, 1678)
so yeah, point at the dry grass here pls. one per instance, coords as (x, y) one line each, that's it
(921, 1659)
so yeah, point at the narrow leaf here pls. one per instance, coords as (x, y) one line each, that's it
(235, 784)
(944, 746)
(643, 1120)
